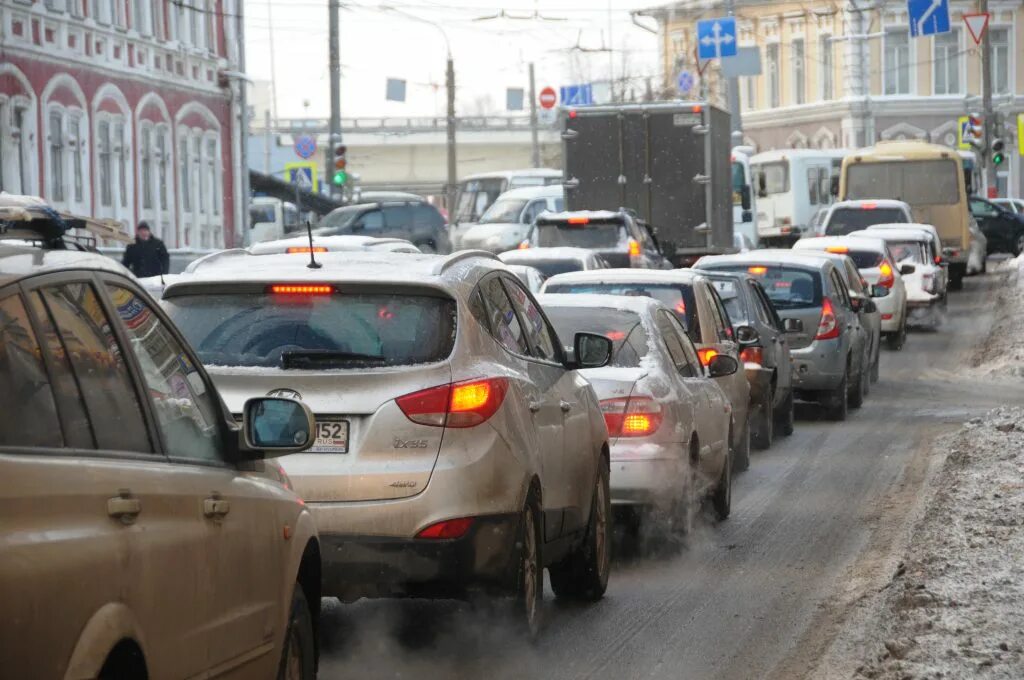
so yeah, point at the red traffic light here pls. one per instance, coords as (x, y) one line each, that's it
(340, 150)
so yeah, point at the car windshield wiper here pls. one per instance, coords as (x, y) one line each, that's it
(326, 358)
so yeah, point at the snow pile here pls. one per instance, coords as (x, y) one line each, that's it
(1002, 355)
(955, 606)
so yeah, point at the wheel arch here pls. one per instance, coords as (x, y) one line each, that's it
(111, 626)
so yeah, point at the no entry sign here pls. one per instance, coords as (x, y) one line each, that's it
(548, 98)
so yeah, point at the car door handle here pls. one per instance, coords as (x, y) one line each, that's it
(535, 406)
(566, 406)
(216, 507)
(124, 507)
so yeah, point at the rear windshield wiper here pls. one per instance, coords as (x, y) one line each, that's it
(325, 358)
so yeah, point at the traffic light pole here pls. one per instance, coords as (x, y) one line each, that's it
(987, 169)
(453, 177)
(334, 137)
(534, 141)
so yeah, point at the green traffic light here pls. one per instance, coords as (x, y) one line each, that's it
(997, 159)
(340, 177)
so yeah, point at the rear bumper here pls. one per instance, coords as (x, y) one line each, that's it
(887, 307)
(647, 480)
(820, 366)
(374, 566)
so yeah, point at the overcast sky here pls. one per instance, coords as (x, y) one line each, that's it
(381, 40)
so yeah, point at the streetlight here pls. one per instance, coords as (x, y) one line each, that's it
(450, 88)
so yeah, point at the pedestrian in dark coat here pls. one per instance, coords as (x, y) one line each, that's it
(148, 255)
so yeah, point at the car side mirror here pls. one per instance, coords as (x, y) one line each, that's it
(745, 197)
(747, 335)
(879, 291)
(792, 325)
(276, 426)
(856, 303)
(907, 269)
(722, 365)
(833, 185)
(590, 350)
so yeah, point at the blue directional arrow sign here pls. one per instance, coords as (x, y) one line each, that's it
(716, 38)
(928, 17)
(577, 95)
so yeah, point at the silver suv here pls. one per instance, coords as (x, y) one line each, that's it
(458, 449)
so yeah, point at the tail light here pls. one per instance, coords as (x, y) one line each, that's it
(752, 355)
(828, 327)
(886, 277)
(449, 528)
(634, 247)
(461, 404)
(887, 317)
(631, 416)
(706, 355)
(524, 245)
(757, 270)
(578, 220)
(841, 250)
(300, 289)
(305, 249)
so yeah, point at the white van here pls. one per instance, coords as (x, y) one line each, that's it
(744, 203)
(271, 219)
(791, 186)
(506, 222)
(476, 193)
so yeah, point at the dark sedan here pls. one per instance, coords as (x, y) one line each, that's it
(1003, 229)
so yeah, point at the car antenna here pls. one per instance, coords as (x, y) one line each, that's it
(313, 264)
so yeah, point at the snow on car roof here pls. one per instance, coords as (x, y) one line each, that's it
(864, 241)
(638, 304)
(687, 276)
(546, 191)
(590, 214)
(342, 242)
(878, 202)
(906, 234)
(555, 253)
(770, 256)
(905, 225)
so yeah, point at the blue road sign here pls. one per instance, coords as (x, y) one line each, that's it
(928, 17)
(303, 177)
(716, 38)
(685, 81)
(305, 146)
(577, 95)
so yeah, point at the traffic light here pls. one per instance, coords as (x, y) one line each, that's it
(974, 133)
(340, 176)
(998, 155)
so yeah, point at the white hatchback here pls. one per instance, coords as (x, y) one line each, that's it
(924, 280)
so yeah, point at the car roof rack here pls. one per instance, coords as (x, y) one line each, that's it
(29, 218)
(451, 260)
(214, 257)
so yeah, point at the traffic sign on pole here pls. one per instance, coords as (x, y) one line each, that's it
(548, 98)
(962, 133)
(303, 174)
(716, 38)
(928, 17)
(684, 82)
(1020, 133)
(577, 95)
(976, 25)
(305, 146)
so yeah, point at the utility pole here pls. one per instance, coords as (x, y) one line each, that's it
(242, 211)
(735, 115)
(267, 136)
(453, 177)
(334, 136)
(987, 171)
(534, 141)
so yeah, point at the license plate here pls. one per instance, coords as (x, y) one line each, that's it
(331, 437)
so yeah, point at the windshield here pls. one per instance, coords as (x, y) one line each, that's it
(338, 220)
(504, 210)
(772, 178)
(677, 297)
(315, 331)
(935, 182)
(787, 287)
(591, 236)
(475, 197)
(624, 329)
(739, 180)
(261, 213)
(844, 221)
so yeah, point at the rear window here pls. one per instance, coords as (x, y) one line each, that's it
(677, 297)
(550, 267)
(340, 330)
(846, 220)
(908, 251)
(624, 329)
(786, 287)
(865, 259)
(591, 236)
(772, 178)
(730, 294)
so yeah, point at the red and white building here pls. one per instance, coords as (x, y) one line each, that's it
(125, 109)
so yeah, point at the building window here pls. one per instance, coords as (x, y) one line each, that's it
(186, 194)
(827, 67)
(194, 25)
(211, 161)
(117, 11)
(947, 62)
(146, 161)
(105, 153)
(999, 38)
(156, 9)
(56, 137)
(772, 59)
(211, 30)
(678, 43)
(57, 5)
(21, 132)
(896, 73)
(122, 163)
(77, 156)
(197, 153)
(798, 88)
(3, 142)
(163, 159)
(141, 17)
(173, 14)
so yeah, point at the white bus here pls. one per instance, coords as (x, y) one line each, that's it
(791, 186)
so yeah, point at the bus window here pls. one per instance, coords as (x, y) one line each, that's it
(772, 178)
(931, 182)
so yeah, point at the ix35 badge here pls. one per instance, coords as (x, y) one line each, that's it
(410, 443)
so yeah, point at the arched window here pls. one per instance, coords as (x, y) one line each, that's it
(65, 171)
(114, 164)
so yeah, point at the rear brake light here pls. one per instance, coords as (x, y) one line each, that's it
(706, 355)
(885, 275)
(631, 416)
(573, 114)
(868, 206)
(938, 260)
(752, 355)
(828, 326)
(886, 317)
(681, 307)
(449, 528)
(299, 289)
(757, 271)
(578, 220)
(305, 249)
(461, 404)
(697, 108)
(842, 250)
(634, 247)
(524, 245)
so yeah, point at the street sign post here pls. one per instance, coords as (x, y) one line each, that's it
(577, 95)
(303, 174)
(961, 133)
(716, 38)
(684, 82)
(928, 17)
(548, 98)
(976, 25)
(305, 146)
(1020, 133)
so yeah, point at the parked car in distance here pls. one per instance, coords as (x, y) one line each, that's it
(504, 225)
(415, 221)
(871, 256)
(698, 307)
(764, 353)
(1003, 228)
(143, 533)
(846, 216)
(551, 261)
(531, 277)
(668, 424)
(431, 378)
(828, 354)
(922, 277)
(618, 237)
(1014, 205)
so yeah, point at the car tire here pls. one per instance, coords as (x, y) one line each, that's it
(897, 339)
(721, 497)
(956, 282)
(836, 402)
(298, 658)
(1018, 245)
(875, 368)
(526, 610)
(763, 422)
(741, 453)
(583, 575)
(857, 390)
(786, 416)
(984, 265)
